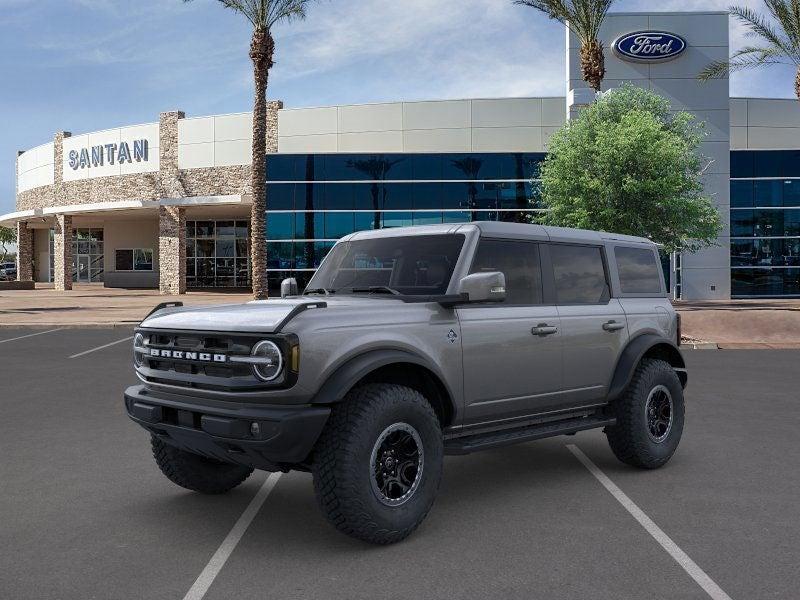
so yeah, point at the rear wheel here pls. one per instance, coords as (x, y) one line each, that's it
(378, 464)
(195, 472)
(649, 416)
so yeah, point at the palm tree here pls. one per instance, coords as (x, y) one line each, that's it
(780, 41)
(262, 15)
(584, 19)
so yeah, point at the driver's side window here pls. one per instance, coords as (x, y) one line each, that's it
(519, 262)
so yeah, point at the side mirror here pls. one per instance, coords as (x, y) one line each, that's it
(289, 287)
(483, 287)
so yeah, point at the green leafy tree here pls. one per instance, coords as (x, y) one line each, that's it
(584, 18)
(263, 15)
(628, 165)
(8, 236)
(778, 40)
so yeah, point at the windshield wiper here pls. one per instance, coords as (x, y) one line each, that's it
(323, 291)
(376, 289)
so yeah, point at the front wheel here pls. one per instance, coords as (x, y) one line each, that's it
(378, 464)
(649, 416)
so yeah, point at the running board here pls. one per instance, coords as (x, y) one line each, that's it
(495, 439)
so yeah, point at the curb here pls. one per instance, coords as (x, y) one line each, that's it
(702, 346)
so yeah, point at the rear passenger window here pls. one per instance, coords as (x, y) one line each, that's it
(638, 270)
(519, 262)
(580, 277)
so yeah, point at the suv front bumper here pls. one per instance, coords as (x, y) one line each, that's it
(267, 437)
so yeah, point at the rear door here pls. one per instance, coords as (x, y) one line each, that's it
(593, 324)
(512, 351)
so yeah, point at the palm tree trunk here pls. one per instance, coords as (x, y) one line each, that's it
(593, 66)
(797, 84)
(261, 51)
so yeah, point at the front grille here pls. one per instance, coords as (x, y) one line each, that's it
(227, 376)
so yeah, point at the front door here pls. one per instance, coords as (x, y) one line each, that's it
(83, 268)
(512, 350)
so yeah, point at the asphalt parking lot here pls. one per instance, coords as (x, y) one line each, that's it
(85, 513)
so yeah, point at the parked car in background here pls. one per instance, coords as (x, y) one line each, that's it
(8, 271)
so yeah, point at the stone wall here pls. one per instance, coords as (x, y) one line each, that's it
(24, 252)
(62, 253)
(172, 250)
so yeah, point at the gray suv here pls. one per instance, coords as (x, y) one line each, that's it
(409, 344)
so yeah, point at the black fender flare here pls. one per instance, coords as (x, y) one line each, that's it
(634, 352)
(353, 370)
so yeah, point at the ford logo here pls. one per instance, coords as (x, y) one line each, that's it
(649, 46)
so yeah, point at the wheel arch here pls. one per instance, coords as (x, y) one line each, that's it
(390, 366)
(641, 347)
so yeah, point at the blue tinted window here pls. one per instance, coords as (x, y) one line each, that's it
(427, 195)
(791, 193)
(742, 164)
(280, 255)
(367, 196)
(397, 219)
(768, 164)
(426, 166)
(741, 194)
(281, 167)
(768, 193)
(765, 282)
(456, 216)
(514, 195)
(463, 166)
(366, 221)
(338, 225)
(309, 226)
(455, 195)
(309, 196)
(339, 196)
(791, 222)
(742, 223)
(280, 226)
(396, 196)
(427, 218)
(280, 196)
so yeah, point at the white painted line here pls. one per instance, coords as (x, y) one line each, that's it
(214, 566)
(688, 565)
(22, 337)
(130, 337)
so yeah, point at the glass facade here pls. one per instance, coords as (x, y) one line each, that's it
(765, 223)
(217, 254)
(315, 199)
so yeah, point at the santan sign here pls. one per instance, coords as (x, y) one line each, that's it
(97, 156)
(649, 46)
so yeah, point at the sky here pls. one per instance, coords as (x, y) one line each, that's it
(86, 65)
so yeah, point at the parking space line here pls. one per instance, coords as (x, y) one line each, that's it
(79, 354)
(688, 565)
(214, 566)
(22, 337)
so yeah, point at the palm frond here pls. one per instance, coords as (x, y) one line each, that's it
(746, 58)
(583, 17)
(263, 14)
(785, 14)
(759, 26)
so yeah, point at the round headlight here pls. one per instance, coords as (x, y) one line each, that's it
(138, 349)
(270, 361)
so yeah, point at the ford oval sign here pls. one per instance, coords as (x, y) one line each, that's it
(649, 46)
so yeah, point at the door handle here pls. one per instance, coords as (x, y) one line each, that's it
(543, 329)
(613, 326)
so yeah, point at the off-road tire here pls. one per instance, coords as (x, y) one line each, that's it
(629, 438)
(342, 462)
(195, 472)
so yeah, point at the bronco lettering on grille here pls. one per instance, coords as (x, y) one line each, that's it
(183, 355)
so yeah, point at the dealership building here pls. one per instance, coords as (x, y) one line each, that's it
(167, 204)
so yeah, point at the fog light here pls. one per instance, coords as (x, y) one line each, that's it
(255, 428)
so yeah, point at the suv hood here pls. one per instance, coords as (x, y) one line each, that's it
(261, 316)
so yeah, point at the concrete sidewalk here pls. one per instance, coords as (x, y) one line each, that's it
(92, 305)
(736, 324)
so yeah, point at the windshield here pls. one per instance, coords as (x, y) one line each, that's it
(416, 265)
